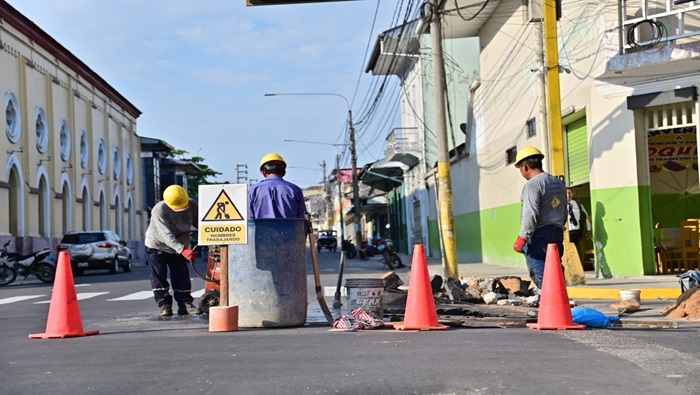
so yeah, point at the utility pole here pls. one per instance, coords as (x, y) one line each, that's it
(542, 119)
(556, 137)
(444, 186)
(340, 198)
(355, 182)
(241, 175)
(326, 196)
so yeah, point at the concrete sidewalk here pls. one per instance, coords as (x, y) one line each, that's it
(653, 287)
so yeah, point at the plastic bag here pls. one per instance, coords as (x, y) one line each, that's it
(591, 318)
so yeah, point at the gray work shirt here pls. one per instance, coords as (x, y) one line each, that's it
(169, 231)
(543, 203)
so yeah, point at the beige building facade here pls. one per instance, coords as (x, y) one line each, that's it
(70, 156)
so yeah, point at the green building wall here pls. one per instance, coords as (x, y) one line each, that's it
(620, 217)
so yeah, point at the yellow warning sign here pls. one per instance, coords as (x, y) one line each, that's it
(223, 209)
(224, 221)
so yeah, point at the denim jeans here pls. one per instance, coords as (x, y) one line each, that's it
(536, 250)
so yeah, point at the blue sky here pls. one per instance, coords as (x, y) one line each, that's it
(198, 71)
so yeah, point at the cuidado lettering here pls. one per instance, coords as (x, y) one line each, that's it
(215, 229)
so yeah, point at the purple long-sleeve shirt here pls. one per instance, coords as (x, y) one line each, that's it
(274, 197)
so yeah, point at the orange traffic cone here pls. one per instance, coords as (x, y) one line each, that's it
(555, 312)
(64, 313)
(420, 305)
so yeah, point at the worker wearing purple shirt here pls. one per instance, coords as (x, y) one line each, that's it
(273, 197)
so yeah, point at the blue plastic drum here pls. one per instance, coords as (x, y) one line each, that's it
(267, 276)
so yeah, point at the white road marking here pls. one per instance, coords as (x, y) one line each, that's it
(19, 298)
(330, 291)
(81, 296)
(141, 295)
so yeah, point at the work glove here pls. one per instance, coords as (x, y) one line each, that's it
(519, 244)
(188, 254)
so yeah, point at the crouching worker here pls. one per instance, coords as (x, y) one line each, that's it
(167, 247)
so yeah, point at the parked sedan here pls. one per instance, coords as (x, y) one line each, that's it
(99, 249)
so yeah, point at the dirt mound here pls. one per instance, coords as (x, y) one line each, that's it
(687, 306)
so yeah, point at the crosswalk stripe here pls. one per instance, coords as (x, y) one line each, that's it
(81, 296)
(141, 295)
(19, 298)
(330, 291)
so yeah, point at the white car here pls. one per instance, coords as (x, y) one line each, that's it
(96, 249)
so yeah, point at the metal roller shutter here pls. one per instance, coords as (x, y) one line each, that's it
(577, 166)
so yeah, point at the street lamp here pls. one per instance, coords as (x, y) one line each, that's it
(353, 158)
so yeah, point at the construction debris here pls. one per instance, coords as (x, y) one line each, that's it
(391, 280)
(625, 307)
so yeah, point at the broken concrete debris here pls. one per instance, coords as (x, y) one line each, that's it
(505, 290)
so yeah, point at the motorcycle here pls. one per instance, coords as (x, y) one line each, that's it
(40, 264)
(349, 248)
(389, 256)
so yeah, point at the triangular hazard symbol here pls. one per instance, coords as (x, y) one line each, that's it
(223, 209)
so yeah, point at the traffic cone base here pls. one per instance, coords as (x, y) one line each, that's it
(402, 327)
(420, 306)
(64, 312)
(62, 336)
(555, 311)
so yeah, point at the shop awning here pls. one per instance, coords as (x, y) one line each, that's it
(383, 174)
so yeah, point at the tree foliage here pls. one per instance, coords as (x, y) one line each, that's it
(194, 179)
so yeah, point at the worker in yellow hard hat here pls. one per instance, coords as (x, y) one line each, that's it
(168, 247)
(542, 214)
(274, 197)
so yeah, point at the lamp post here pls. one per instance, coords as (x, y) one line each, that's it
(353, 158)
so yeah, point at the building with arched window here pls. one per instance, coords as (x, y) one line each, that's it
(68, 155)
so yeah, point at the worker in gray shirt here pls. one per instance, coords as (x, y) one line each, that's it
(168, 247)
(543, 212)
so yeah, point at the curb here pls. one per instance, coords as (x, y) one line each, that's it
(582, 293)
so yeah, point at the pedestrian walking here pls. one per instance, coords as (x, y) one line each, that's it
(579, 224)
(542, 215)
(168, 248)
(273, 196)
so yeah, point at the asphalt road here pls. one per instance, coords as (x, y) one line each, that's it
(137, 352)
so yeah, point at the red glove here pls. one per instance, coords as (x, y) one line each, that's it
(519, 244)
(189, 254)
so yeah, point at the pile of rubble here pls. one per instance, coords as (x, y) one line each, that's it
(504, 290)
(686, 307)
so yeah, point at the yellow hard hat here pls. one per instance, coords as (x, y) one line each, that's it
(271, 157)
(527, 152)
(176, 197)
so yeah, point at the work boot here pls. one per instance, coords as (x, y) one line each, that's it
(188, 309)
(166, 310)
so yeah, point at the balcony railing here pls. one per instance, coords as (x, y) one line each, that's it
(646, 23)
(402, 140)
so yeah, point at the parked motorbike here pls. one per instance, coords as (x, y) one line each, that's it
(40, 264)
(389, 256)
(349, 248)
